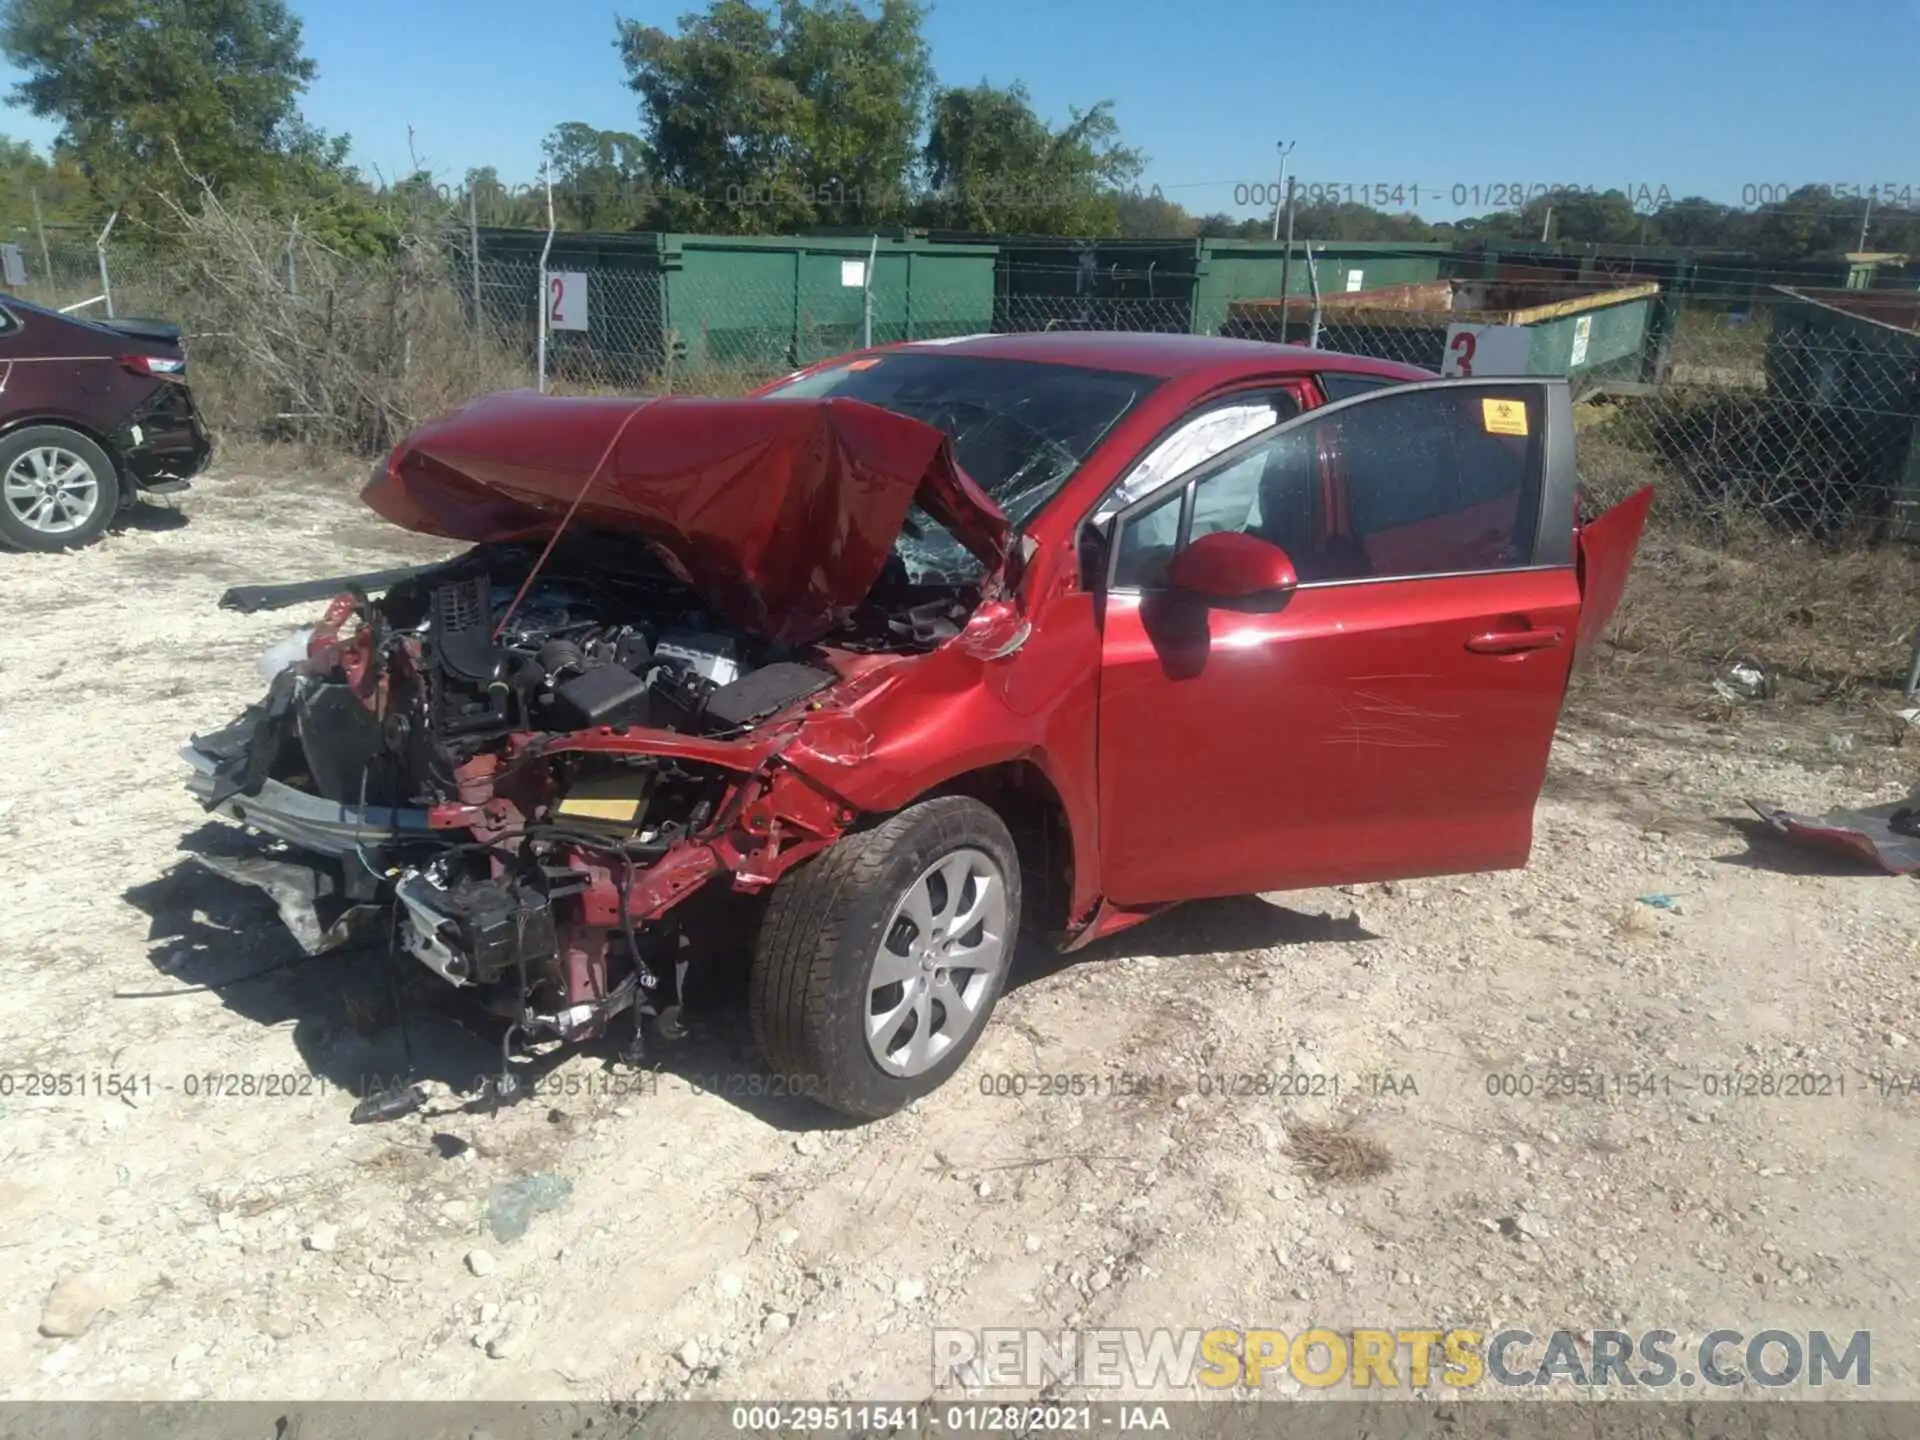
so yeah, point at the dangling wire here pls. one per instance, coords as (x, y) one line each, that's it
(567, 519)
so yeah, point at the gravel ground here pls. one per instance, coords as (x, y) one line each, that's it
(711, 1239)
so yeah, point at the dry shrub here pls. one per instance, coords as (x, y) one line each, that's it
(293, 340)
(1333, 1154)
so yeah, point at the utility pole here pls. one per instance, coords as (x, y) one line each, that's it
(546, 302)
(473, 252)
(1313, 281)
(1286, 268)
(1546, 226)
(1280, 191)
(1864, 218)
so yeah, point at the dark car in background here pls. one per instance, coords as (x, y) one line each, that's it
(92, 413)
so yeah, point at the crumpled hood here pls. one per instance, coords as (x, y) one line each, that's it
(780, 514)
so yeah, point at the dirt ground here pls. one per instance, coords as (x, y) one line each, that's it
(718, 1241)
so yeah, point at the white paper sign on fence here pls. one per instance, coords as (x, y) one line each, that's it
(853, 274)
(1582, 333)
(1486, 350)
(566, 300)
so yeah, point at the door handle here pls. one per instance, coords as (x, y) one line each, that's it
(1511, 642)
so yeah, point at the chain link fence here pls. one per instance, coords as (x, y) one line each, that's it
(1796, 405)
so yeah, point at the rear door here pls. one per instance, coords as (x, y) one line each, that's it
(1389, 716)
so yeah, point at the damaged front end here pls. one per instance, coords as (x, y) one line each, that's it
(522, 761)
(533, 799)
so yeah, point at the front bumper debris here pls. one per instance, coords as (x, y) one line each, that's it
(311, 899)
(324, 826)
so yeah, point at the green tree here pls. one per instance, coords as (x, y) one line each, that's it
(1348, 220)
(1154, 217)
(778, 119)
(1811, 221)
(137, 83)
(1606, 217)
(1697, 222)
(599, 178)
(27, 176)
(865, 81)
(1221, 226)
(992, 164)
(493, 202)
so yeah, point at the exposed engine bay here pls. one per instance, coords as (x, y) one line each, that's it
(523, 761)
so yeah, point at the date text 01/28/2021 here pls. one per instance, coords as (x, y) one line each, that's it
(1011, 1418)
(1122, 1084)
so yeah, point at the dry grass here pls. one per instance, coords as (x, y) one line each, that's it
(723, 384)
(1334, 1155)
(1834, 623)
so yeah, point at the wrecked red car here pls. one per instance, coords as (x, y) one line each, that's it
(925, 647)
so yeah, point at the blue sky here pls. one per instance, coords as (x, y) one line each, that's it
(1701, 96)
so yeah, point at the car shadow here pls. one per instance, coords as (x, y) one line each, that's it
(345, 1007)
(1199, 927)
(150, 516)
(208, 933)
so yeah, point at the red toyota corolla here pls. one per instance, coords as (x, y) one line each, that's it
(925, 646)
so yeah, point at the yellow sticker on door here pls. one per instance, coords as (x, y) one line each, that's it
(1504, 417)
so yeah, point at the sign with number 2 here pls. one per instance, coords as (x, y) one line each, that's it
(566, 300)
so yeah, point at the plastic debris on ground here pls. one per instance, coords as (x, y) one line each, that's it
(1659, 900)
(1884, 836)
(512, 1206)
(1745, 680)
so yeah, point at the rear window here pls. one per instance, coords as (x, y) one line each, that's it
(1020, 429)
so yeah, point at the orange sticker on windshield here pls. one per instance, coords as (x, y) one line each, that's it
(864, 364)
(1504, 417)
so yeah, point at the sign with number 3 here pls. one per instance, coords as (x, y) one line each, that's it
(1474, 350)
(566, 300)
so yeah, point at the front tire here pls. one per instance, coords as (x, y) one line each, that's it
(58, 489)
(880, 960)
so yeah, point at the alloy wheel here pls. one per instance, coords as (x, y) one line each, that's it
(51, 490)
(938, 959)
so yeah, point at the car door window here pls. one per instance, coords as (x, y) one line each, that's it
(1342, 385)
(1443, 480)
(1148, 542)
(1229, 500)
(1427, 481)
(1200, 437)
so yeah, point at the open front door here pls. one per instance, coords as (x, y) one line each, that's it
(1390, 714)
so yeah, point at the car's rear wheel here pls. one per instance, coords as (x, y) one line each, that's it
(880, 960)
(58, 489)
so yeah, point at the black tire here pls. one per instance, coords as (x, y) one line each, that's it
(808, 992)
(15, 531)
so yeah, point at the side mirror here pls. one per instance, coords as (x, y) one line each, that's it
(1227, 565)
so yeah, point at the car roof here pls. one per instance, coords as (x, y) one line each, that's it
(1160, 353)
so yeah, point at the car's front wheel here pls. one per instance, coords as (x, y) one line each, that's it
(880, 960)
(58, 489)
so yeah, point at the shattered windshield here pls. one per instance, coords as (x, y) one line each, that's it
(1019, 428)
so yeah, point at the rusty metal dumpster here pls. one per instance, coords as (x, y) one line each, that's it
(1511, 325)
